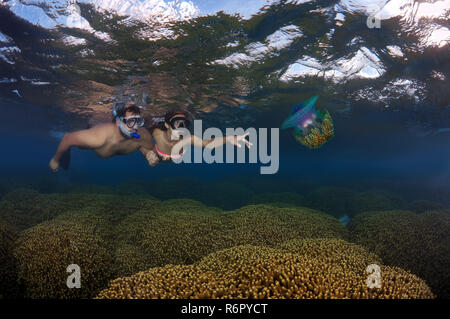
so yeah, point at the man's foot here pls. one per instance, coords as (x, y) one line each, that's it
(54, 165)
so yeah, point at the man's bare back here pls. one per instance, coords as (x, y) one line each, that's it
(106, 140)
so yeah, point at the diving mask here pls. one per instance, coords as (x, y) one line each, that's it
(179, 122)
(133, 121)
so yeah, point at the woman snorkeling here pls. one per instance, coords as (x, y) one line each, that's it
(168, 138)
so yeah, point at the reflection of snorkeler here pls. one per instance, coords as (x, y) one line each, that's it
(167, 137)
(123, 136)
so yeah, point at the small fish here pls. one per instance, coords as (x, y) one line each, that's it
(344, 220)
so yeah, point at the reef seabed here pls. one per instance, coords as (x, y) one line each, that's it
(137, 246)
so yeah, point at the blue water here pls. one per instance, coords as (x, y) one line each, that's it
(375, 148)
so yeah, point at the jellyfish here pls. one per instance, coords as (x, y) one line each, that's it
(311, 127)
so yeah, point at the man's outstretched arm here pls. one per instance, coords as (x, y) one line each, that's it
(88, 139)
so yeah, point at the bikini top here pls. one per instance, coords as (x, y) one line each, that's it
(162, 154)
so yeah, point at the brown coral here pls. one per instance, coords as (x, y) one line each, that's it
(46, 250)
(183, 231)
(188, 206)
(224, 194)
(375, 200)
(8, 277)
(176, 231)
(36, 208)
(263, 272)
(279, 199)
(269, 225)
(419, 243)
(422, 205)
(183, 238)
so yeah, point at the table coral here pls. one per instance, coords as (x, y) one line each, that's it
(419, 243)
(263, 272)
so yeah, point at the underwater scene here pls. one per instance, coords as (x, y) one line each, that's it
(293, 149)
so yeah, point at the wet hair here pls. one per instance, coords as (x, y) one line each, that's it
(158, 122)
(132, 108)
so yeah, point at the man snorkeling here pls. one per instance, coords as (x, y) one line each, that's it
(167, 137)
(124, 135)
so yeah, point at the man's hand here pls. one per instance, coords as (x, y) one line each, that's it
(236, 140)
(152, 158)
(54, 165)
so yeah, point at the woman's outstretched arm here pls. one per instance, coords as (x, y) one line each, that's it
(219, 141)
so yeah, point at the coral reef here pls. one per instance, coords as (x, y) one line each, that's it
(93, 221)
(30, 210)
(263, 272)
(184, 248)
(183, 231)
(42, 184)
(20, 194)
(225, 194)
(45, 251)
(128, 259)
(188, 206)
(90, 189)
(131, 228)
(269, 225)
(335, 201)
(375, 201)
(279, 199)
(171, 231)
(419, 243)
(333, 249)
(128, 255)
(422, 205)
(34, 208)
(128, 188)
(177, 231)
(8, 276)
(339, 201)
(183, 238)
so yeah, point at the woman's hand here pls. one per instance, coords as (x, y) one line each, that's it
(236, 140)
(54, 165)
(152, 158)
